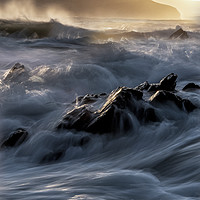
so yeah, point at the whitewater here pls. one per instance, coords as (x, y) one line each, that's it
(60, 63)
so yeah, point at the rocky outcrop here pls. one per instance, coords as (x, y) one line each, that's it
(118, 112)
(16, 138)
(191, 86)
(143, 86)
(164, 96)
(168, 83)
(113, 115)
(18, 73)
(179, 34)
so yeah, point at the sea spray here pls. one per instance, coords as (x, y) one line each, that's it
(154, 160)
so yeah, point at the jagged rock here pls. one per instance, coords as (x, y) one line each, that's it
(107, 121)
(16, 138)
(180, 33)
(143, 86)
(168, 83)
(191, 86)
(78, 119)
(18, 73)
(113, 114)
(164, 96)
(89, 98)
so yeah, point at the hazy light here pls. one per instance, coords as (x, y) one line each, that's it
(189, 9)
(60, 10)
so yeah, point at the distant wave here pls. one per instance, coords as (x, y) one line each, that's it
(56, 30)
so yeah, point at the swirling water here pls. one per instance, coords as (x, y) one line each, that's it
(154, 161)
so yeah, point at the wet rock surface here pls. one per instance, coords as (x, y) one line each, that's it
(121, 111)
(191, 86)
(179, 34)
(143, 86)
(16, 138)
(168, 83)
(112, 113)
(164, 96)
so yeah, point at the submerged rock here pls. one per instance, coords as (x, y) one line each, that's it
(16, 138)
(112, 115)
(179, 34)
(164, 96)
(147, 115)
(52, 157)
(81, 142)
(191, 86)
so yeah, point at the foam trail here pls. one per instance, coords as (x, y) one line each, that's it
(154, 160)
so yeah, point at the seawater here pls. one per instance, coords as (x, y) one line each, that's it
(158, 161)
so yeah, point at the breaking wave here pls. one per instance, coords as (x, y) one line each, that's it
(47, 69)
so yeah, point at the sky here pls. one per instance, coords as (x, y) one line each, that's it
(58, 9)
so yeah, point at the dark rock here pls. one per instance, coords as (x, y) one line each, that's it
(143, 86)
(122, 97)
(88, 99)
(168, 83)
(164, 96)
(147, 115)
(188, 105)
(191, 86)
(52, 157)
(106, 121)
(114, 113)
(150, 115)
(103, 94)
(78, 119)
(18, 73)
(16, 138)
(179, 34)
(112, 116)
(82, 142)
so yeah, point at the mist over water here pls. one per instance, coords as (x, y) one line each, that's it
(59, 9)
(62, 62)
(26, 10)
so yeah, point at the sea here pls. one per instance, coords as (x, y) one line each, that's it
(62, 61)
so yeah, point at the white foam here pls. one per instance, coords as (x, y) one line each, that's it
(153, 161)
